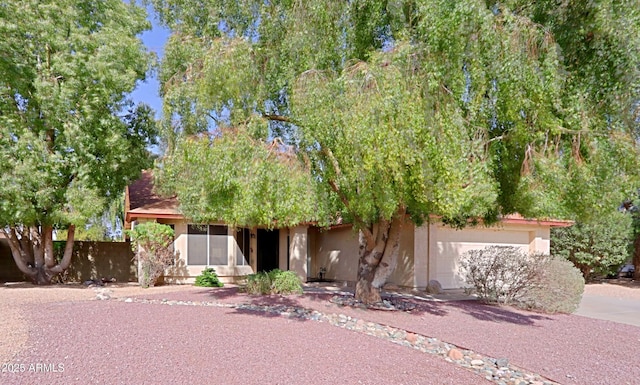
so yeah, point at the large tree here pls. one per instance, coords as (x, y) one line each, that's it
(403, 109)
(70, 140)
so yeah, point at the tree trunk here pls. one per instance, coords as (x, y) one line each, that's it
(378, 257)
(32, 250)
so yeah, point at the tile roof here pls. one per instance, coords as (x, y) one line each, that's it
(142, 201)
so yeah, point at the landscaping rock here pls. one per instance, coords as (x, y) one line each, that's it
(502, 362)
(455, 354)
(103, 294)
(483, 366)
(434, 287)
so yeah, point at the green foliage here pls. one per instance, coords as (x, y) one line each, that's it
(70, 140)
(151, 242)
(558, 288)
(151, 236)
(208, 278)
(240, 180)
(273, 282)
(598, 249)
(457, 108)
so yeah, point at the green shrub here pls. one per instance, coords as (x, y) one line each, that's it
(208, 278)
(558, 288)
(498, 274)
(273, 282)
(597, 249)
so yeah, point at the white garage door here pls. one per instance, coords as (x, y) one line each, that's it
(447, 244)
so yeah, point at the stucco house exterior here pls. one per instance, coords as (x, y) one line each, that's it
(428, 252)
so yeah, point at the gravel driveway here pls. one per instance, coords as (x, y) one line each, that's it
(125, 343)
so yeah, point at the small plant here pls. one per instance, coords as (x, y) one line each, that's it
(557, 289)
(208, 278)
(273, 282)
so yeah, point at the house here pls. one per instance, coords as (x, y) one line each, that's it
(427, 252)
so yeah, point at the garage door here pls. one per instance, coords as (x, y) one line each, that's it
(447, 244)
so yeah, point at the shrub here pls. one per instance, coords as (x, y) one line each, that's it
(597, 249)
(273, 282)
(208, 278)
(498, 273)
(508, 275)
(557, 288)
(151, 243)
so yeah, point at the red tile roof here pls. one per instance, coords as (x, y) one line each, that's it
(142, 201)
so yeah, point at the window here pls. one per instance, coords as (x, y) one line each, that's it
(207, 245)
(243, 240)
(218, 245)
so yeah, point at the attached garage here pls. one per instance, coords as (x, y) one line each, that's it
(448, 244)
(428, 252)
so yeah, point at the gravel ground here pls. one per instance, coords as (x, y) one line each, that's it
(131, 343)
(13, 297)
(118, 342)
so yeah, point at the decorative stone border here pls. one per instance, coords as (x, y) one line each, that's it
(497, 370)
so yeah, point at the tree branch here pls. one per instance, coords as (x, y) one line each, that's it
(68, 252)
(16, 252)
(278, 118)
(361, 223)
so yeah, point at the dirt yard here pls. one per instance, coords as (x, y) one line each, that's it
(13, 296)
(35, 328)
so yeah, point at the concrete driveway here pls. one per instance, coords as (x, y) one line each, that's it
(600, 303)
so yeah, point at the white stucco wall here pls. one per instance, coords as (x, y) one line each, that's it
(337, 251)
(298, 251)
(447, 244)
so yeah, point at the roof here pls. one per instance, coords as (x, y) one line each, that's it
(513, 219)
(517, 219)
(142, 201)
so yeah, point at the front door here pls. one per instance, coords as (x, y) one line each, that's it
(268, 246)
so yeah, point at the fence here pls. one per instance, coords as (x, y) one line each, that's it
(91, 260)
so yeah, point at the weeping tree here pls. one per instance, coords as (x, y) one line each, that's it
(240, 179)
(70, 140)
(399, 110)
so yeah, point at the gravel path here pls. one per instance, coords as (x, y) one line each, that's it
(118, 342)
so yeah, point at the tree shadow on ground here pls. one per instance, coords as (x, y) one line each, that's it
(418, 306)
(214, 293)
(282, 303)
(497, 313)
(313, 300)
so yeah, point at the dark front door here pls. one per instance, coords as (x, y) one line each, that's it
(267, 252)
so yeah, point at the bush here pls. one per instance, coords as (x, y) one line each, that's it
(558, 288)
(208, 278)
(151, 242)
(273, 282)
(597, 249)
(498, 274)
(507, 275)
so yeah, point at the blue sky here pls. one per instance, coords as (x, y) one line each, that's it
(147, 91)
